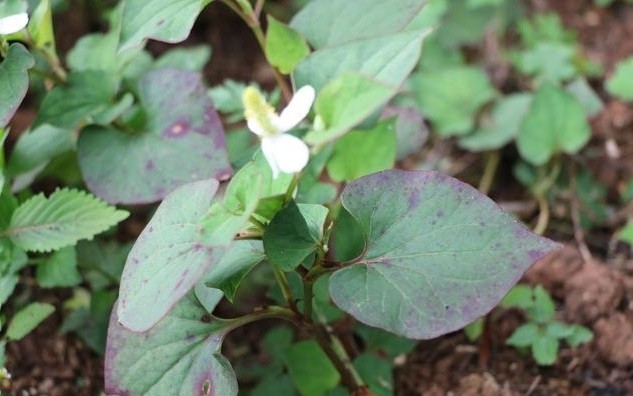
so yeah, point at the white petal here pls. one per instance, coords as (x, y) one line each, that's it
(13, 23)
(256, 127)
(290, 154)
(268, 148)
(297, 109)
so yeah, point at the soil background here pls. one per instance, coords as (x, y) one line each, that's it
(592, 285)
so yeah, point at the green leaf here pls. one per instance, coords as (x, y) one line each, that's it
(360, 153)
(191, 58)
(383, 43)
(558, 330)
(86, 94)
(179, 356)
(547, 62)
(40, 27)
(95, 52)
(7, 285)
(279, 385)
(586, 96)
(38, 147)
(233, 267)
(294, 234)
(411, 131)
(544, 308)
(344, 103)
(347, 241)
(580, 335)
(27, 319)
(14, 81)
(502, 126)
(167, 259)
(545, 132)
(475, 329)
(545, 350)
(524, 336)
(164, 20)
(181, 119)
(377, 372)
(438, 255)
(91, 324)
(102, 262)
(67, 216)
(311, 370)
(625, 233)
(383, 343)
(544, 28)
(520, 296)
(284, 47)
(60, 270)
(620, 84)
(440, 92)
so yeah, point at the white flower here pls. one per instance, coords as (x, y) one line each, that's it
(13, 23)
(284, 152)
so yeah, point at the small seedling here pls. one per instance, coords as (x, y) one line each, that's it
(542, 334)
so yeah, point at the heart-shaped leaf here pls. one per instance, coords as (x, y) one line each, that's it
(178, 356)
(167, 259)
(438, 254)
(183, 142)
(555, 122)
(382, 44)
(14, 81)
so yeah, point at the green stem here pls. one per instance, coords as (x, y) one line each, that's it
(248, 15)
(291, 188)
(286, 292)
(308, 296)
(543, 216)
(334, 350)
(273, 311)
(492, 163)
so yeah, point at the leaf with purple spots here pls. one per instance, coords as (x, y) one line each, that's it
(178, 356)
(183, 141)
(438, 253)
(167, 259)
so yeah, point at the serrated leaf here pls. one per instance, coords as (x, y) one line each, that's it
(167, 259)
(67, 216)
(580, 335)
(164, 20)
(182, 141)
(545, 132)
(179, 356)
(547, 62)
(438, 255)
(27, 319)
(14, 80)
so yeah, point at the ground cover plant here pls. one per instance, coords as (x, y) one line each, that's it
(313, 206)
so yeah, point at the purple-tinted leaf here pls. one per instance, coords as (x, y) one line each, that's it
(167, 260)
(183, 142)
(179, 356)
(438, 254)
(14, 81)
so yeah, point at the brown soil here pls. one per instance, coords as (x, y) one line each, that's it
(597, 293)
